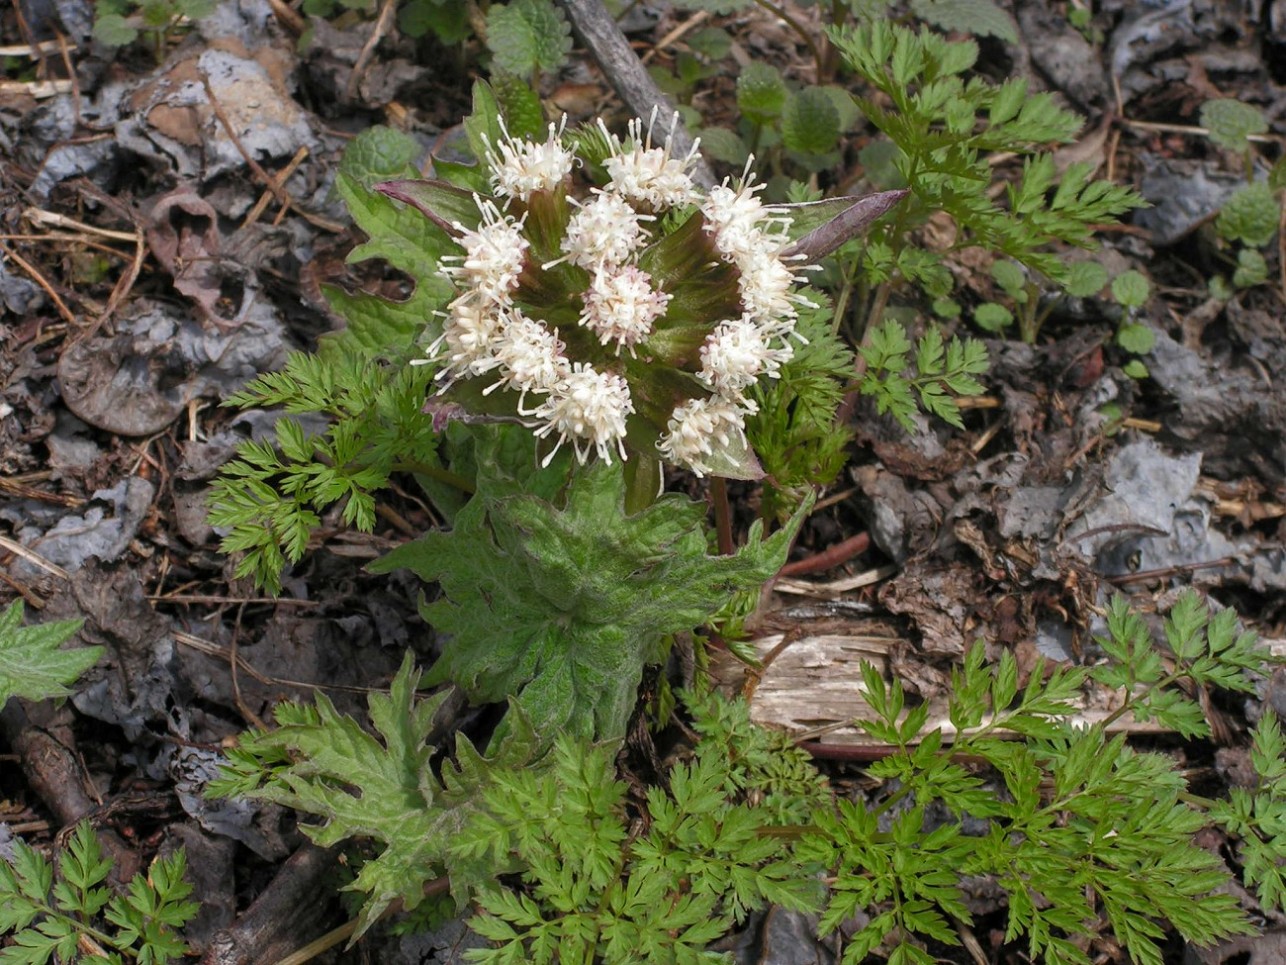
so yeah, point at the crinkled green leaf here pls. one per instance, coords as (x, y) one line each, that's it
(1230, 122)
(1251, 216)
(562, 607)
(982, 18)
(811, 123)
(33, 664)
(1131, 289)
(761, 92)
(525, 36)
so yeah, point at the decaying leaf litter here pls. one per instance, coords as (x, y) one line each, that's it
(167, 230)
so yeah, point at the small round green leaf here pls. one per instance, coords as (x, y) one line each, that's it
(1130, 289)
(761, 93)
(1136, 338)
(1252, 269)
(992, 317)
(1135, 369)
(1085, 279)
(1010, 277)
(1250, 216)
(1230, 123)
(810, 124)
(528, 35)
(724, 145)
(113, 30)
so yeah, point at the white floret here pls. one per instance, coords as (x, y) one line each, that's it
(468, 334)
(621, 306)
(736, 354)
(494, 255)
(739, 223)
(698, 429)
(530, 357)
(520, 168)
(590, 409)
(604, 231)
(649, 175)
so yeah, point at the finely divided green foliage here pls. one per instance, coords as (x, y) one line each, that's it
(1081, 832)
(1257, 816)
(270, 498)
(561, 606)
(33, 663)
(795, 435)
(593, 892)
(944, 128)
(940, 368)
(1087, 830)
(63, 915)
(380, 789)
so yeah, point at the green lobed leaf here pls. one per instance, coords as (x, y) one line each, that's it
(561, 608)
(33, 664)
(810, 123)
(1131, 289)
(1250, 216)
(761, 92)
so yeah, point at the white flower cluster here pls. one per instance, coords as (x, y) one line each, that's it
(590, 403)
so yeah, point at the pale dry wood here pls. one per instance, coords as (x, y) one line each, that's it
(811, 687)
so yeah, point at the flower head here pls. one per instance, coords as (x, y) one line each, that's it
(649, 315)
(530, 357)
(470, 328)
(736, 354)
(519, 168)
(590, 409)
(621, 306)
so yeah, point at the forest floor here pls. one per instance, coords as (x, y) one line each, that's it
(169, 220)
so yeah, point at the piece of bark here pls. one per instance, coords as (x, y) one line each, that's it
(287, 915)
(41, 735)
(600, 35)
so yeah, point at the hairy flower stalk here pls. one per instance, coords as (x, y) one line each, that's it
(625, 318)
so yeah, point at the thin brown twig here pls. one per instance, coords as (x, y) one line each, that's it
(279, 180)
(40, 280)
(829, 558)
(382, 25)
(64, 48)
